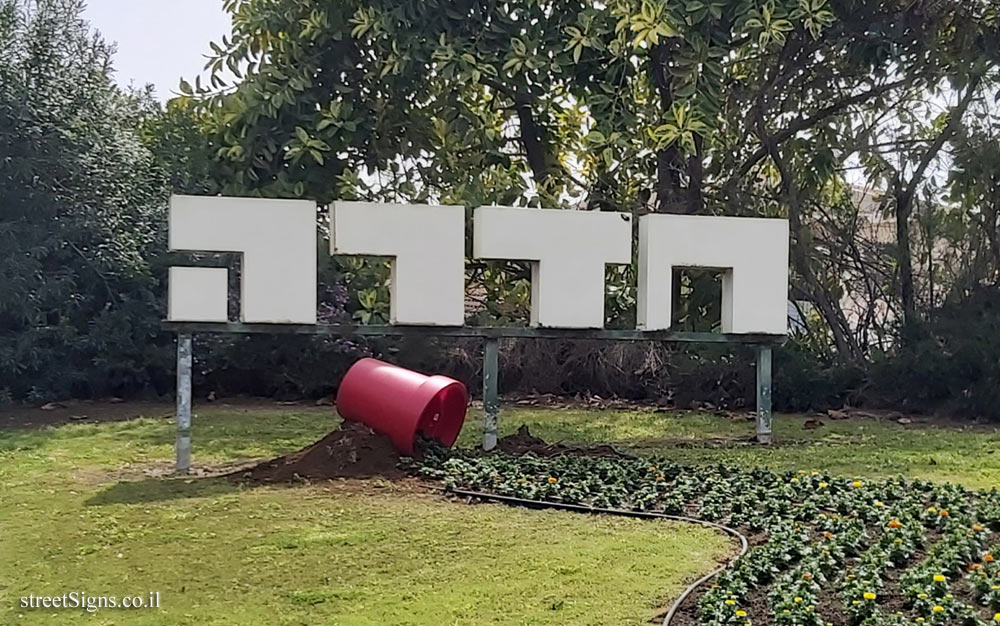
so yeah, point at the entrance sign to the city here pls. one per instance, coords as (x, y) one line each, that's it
(427, 248)
(277, 239)
(568, 251)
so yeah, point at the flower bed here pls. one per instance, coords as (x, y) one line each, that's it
(831, 551)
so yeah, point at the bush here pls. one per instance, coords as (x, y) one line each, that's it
(948, 364)
(81, 213)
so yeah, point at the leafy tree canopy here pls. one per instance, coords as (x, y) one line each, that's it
(80, 209)
(758, 107)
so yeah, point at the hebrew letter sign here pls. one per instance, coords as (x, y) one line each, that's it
(277, 239)
(568, 252)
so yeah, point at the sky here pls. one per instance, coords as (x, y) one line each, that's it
(159, 41)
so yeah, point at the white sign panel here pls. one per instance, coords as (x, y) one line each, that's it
(427, 246)
(568, 251)
(198, 294)
(278, 241)
(751, 252)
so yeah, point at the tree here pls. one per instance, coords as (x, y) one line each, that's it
(741, 107)
(81, 207)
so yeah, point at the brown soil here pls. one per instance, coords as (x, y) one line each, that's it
(116, 410)
(523, 442)
(351, 451)
(73, 411)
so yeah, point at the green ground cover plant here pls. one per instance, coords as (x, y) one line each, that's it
(829, 550)
(74, 496)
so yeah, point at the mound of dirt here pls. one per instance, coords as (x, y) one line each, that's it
(351, 451)
(523, 442)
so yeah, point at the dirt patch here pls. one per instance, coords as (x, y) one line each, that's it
(351, 451)
(523, 442)
(98, 411)
(161, 469)
(80, 411)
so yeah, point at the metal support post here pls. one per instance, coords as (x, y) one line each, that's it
(184, 353)
(491, 401)
(764, 394)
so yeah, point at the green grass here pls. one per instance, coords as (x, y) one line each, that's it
(77, 514)
(969, 456)
(73, 498)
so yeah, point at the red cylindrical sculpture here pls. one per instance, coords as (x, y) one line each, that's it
(400, 403)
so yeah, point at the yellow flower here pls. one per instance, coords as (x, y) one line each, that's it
(870, 596)
(996, 617)
(741, 613)
(938, 578)
(938, 608)
(857, 484)
(730, 602)
(823, 485)
(798, 600)
(553, 480)
(879, 504)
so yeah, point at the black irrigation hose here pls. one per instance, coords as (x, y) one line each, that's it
(579, 508)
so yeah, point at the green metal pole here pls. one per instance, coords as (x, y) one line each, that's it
(764, 417)
(491, 401)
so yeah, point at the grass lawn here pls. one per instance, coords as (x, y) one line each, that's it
(84, 507)
(968, 455)
(79, 513)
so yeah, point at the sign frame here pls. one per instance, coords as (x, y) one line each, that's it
(491, 336)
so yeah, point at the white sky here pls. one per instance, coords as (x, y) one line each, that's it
(159, 41)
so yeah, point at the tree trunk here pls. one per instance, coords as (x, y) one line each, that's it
(847, 345)
(669, 161)
(904, 208)
(696, 176)
(905, 195)
(534, 147)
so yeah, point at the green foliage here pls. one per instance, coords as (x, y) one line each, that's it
(81, 205)
(739, 107)
(950, 361)
(77, 492)
(820, 533)
(736, 107)
(802, 382)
